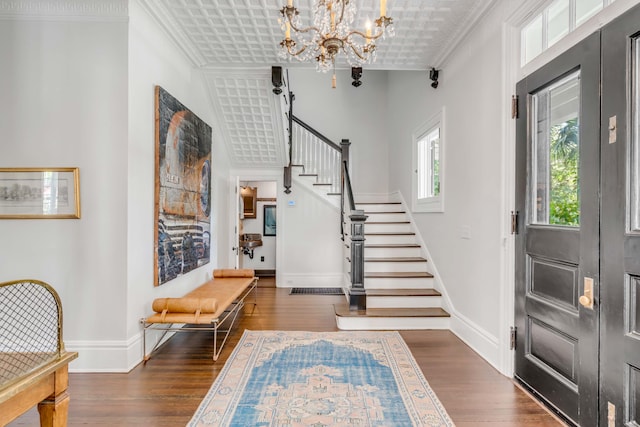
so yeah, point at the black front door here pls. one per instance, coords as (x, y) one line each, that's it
(620, 229)
(557, 245)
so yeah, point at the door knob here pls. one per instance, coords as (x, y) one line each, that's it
(586, 299)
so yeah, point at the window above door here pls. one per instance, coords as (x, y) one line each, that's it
(554, 22)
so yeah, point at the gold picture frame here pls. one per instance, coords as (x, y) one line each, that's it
(39, 193)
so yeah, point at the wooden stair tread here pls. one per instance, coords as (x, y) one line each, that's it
(383, 212)
(378, 203)
(398, 275)
(393, 245)
(388, 222)
(426, 292)
(321, 183)
(343, 311)
(307, 174)
(334, 194)
(396, 259)
(390, 233)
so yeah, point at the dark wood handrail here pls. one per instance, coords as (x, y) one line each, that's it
(345, 171)
(316, 133)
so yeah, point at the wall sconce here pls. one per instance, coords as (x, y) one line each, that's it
(356, 75)
(433, 76)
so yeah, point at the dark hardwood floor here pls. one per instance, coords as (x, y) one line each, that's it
(167, 390)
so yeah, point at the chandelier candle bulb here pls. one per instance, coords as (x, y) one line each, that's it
(383, 7)
(287, 34)
(289, 3)
(368, 26)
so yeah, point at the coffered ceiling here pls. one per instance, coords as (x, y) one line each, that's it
(235, 43)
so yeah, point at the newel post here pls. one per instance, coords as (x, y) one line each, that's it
(357, 297)
(344, 147)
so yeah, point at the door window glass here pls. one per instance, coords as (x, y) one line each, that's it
(635, 158)
(555, 183)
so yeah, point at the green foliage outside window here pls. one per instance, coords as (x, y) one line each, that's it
(564, 204)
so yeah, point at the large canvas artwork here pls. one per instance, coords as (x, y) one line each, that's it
(183, 189)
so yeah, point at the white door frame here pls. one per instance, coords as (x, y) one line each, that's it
(276, 175)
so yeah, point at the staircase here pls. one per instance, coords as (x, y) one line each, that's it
(400, 291)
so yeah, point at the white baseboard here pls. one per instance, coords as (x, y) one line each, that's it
(106, 356)
(481, 341)
(312, 280)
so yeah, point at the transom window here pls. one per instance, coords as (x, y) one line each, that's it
(557, 20)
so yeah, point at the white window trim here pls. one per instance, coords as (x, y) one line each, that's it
(429, 204)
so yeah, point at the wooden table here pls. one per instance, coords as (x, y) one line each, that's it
(46, 386)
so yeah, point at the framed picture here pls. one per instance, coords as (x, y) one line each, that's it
(182, 189)
(269, 220)
(34, 193)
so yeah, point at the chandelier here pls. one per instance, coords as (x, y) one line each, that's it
(331, 34)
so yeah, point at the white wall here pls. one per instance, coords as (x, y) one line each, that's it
(470, 89)
(80, 93)
(266, 190)
(153, 61)
(63, 87)
(358, 114)
(309, 240)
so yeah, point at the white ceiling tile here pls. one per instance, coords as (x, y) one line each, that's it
(245, 34)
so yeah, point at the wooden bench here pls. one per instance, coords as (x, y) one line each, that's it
(208, 308)
(33, 361)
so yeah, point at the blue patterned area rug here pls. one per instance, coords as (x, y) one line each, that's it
(276, 378)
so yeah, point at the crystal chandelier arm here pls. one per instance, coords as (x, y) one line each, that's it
(288, 44)
(358, 54)
(364, 36)
(288, 12)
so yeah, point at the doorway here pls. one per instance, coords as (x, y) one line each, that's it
(257, 226)
(578, 242)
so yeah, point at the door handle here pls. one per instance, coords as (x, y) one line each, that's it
(586, 299)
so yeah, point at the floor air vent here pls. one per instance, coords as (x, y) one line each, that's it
(316, 291)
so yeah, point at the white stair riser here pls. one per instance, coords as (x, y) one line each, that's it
(398, 283)
(391, 323)
(395, 267)
(308, 179)
(403, 302)
(387, 227)
(389, 239)
(307, 182)
(385, 217)
(380, 208)
(391, 252)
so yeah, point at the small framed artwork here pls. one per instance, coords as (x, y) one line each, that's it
(269, 220)
(33, 193)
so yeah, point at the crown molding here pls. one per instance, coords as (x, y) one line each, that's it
(65, 10)
(481, 9)
(165, 20)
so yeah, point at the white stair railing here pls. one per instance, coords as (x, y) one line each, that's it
(318, 156)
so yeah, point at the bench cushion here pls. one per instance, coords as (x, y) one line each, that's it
(226, 287)
(185, 305)
(233, 273)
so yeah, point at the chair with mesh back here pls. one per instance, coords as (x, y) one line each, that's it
(33, 361)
